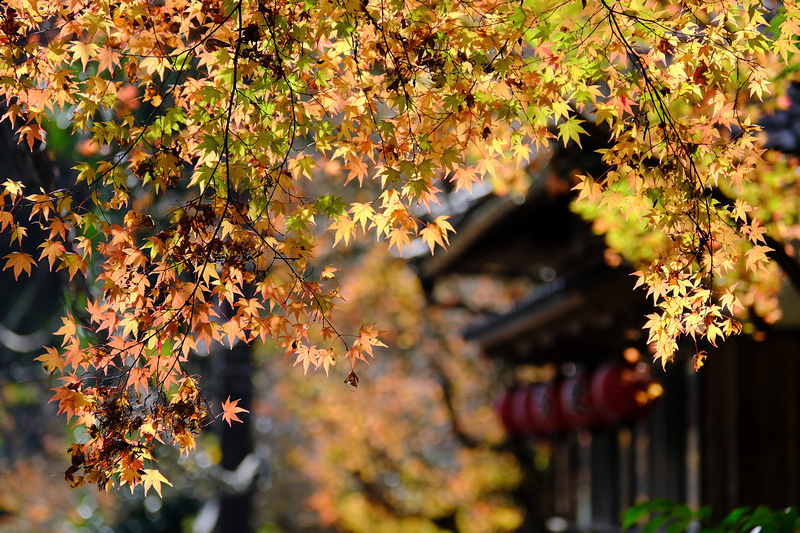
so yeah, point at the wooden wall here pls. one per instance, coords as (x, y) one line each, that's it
(750, 425)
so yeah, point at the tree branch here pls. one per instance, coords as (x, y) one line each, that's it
(466, 440)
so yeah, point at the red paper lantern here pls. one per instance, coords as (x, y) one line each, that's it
(503, 408)
(615, 392)
(521, 411)
(545, 408)
(575, 398)
(620, 392)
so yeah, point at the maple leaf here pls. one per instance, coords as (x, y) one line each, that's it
(18, 232)
(14, 188)
(328, 360)
(58, 228)
(70, 400)
(362, 214)
(52, 360)
(307, 355)
(83, 51)
(230, 411)
(68, 329)
(329, 272)
(52, 250)
(358, 169)
(13, 112)
(6, 219)
(345, 229)
(431, 236)
(186, 441)
(522, 152)
(465, 178)
(31, 133)
(153, 478)
(699, 360)
(131, 476)
(729, 299)
(73, 263)
(84, 244)
(756, 257)
(138, 379)
(352, 379)
(367, 338)
(399, 237)
(108, 59)
(571, 130)
(20, 262)
(436, 233)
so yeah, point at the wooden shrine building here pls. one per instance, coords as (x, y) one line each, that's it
(607, 427)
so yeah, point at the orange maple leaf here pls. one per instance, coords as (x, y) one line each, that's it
(30, 133)
(69, 329)
(699, 360)
(131, 476)
(358, 169)
(20, 261)
(52, 360)
(230, 410)
(52, 250)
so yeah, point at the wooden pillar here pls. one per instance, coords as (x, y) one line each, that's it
(235, 513)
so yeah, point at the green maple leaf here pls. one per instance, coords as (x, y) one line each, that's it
(571, 130)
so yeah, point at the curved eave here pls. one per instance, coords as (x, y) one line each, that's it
(576, 308)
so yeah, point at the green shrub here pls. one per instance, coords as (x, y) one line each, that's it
(670, 517)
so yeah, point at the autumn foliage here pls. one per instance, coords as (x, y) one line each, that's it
(427, 452)
(223, 137)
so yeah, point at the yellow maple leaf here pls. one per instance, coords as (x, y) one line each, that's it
(436, 233)
(345, 229)
(14, 188)
(83, 51)
(362, 214)
(329, 272)
(153, 478)
(431, 236)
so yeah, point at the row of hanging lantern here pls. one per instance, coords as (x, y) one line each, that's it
(615, 392)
